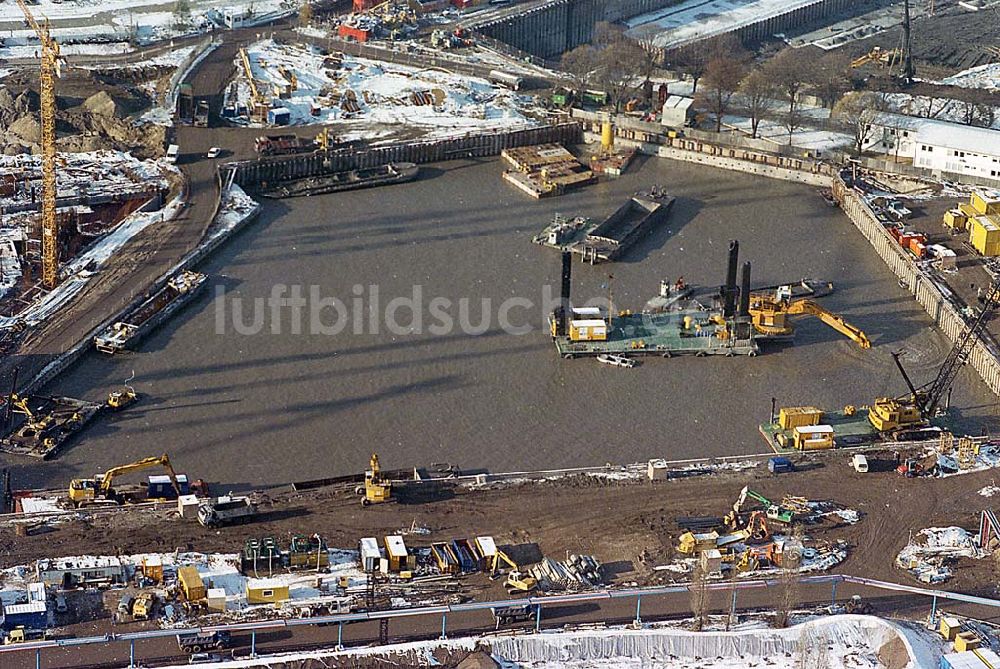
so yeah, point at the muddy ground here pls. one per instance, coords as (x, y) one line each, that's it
(630, 525)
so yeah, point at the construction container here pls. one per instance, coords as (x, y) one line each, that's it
(152, 568)
(588, 330)
(308, 552)
(657, 470)
(191, 584)
(444, 557)
(980, 659)
(279, 116)
(985, 203)
(950, 627)
(396, 553)
(711, 561)
(812, 437)
(216, 598)
(370, 553)
(966, 641)
(956, 220)
(32, 616)
(779, 465)
(984, 235)
(266, 591)
(187, 506)
(160, 486)
(487, 549)
(790, 418)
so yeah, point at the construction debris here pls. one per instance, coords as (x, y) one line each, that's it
(575, 573)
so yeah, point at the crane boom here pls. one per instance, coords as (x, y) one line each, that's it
(959, 353)
(770, 316)
(48, 71)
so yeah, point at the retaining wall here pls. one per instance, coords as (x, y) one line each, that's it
(984, 354)
(253, 174)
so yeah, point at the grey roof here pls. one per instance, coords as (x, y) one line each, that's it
(945, 133)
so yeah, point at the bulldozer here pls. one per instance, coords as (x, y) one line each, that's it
(123, 397)
(99, 489)
(376, 489)
(517, 582)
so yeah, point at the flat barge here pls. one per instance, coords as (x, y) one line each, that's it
(607, 240)
(51, 423)
(383, 175)
(137, 323)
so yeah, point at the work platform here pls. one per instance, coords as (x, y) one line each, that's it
(852, 430)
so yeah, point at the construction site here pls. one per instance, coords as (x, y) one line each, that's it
(431, 334)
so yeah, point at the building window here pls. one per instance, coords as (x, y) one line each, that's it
(906, 133)
(267, 593)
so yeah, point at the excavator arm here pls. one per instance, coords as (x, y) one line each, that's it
(836, 322)
(145, 463)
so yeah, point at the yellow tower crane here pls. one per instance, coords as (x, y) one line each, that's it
(48, 71)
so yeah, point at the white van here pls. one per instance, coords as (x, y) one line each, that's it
(860, 464)
(172, 152)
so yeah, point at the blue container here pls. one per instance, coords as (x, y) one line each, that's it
(32, 616)
(160, 487)
(779, 465)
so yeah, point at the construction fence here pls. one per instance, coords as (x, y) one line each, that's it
(984, 355)
(253, 174)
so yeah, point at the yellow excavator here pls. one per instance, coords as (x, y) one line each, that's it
(84, 491)
(770, 316)
(376, 489)
(884, 57)
(516, 581)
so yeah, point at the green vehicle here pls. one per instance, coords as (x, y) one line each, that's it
(594, 98)
(562, 97)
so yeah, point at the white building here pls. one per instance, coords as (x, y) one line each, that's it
(677, 111)
(936, 145)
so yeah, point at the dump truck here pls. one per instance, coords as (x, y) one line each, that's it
(505, 615)
(21, 634)
(226, 511)
(280, 145)
(196, 643)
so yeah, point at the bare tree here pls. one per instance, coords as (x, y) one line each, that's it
(693, 60)
(607, 34)
(699, 597)
(789, 72)
(722, 79)
(645, 38)
(830, 77)
(858, 112)
(580, 64)
(619, 66)
(756, 98)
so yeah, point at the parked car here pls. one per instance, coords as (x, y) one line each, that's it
(860, 463)
(214, 152)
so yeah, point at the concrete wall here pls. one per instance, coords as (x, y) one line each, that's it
(551, 29)
(983, 357)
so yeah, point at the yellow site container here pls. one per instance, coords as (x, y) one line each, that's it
(950, 627)
(956, 220)
(191, 584)
(984, 235)
(790, 418)
(813, 437)
(966, 641)
(591, 329)
(264, 591)
(984, 204)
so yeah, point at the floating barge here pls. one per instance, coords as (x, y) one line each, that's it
(849, 428)
(607, 240)
(383, 175)
(53, 421)
(138, 322)
(545, 170)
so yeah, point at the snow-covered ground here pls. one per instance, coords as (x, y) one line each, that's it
(806, 138)
(942, 109)
(985, 76)
(101, 27)
(836, 642)
(386, 94)
(700, 19)
(927, 552)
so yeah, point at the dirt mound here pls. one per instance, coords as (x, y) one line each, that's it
(101, 103)
(26, 128)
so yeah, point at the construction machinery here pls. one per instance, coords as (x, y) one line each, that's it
(376, 489)
(259, 102)
(516, 581)
(770, 316)
(84, 491)
(21, 634)
(142, 607)
(776, 512)
(123, 397)
(899, 414)
(884, 57)
(226, 510)
(857, 606)
(49, 69)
